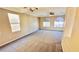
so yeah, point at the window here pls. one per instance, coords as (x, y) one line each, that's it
(59, 22)
(14, 22)
(46, 22)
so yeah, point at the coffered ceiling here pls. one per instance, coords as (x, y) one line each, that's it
(40, 12)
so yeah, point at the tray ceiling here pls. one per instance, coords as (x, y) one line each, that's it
(41, 12)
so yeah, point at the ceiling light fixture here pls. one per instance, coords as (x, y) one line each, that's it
(51, 12)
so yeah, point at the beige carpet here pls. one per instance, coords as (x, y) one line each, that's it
(41, 41)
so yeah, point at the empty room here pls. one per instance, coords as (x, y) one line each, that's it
(39, 29)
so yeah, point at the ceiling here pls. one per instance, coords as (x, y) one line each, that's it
(41, 12)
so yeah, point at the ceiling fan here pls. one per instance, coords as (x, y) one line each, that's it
(32, 9)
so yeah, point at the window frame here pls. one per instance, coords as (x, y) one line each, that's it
(61, 23)
(15, 25)
(45, 21)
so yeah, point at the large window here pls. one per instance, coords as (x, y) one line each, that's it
(59, 22)
(46, 22)
(14, 22)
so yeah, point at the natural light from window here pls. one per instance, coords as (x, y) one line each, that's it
(46, 22)
(59, 22)
(14, 22)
